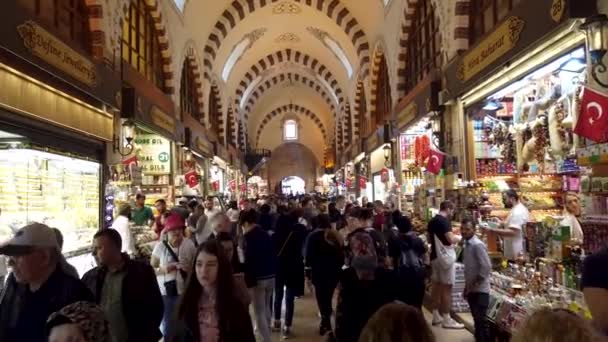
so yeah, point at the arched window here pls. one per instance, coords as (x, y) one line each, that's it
(290, 130)
(383, 96)
(485, 14)
(140, 46)
(188, 94)
(69, 18)
(423, 49)
(214, 111)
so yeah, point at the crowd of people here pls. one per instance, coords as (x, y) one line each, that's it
(211, 266)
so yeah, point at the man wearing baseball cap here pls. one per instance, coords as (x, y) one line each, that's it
(37, 286)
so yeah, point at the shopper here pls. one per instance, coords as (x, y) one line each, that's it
(364, 288)
(220, 223)
(288, 242)
(360, 219)
(443, 259)
(557, 325)
(126, 290)
(210, 208)
(37, 286)
(379, 218)
(325, 258)
(197, 210)
(265, 219)
(260, 270)
(238, 270)
(595, 288)
(407, 253)
(397, 322)
(172, 259)
(122, 226)
(477, 269)
(209, 310)
(65, 266)
(512, 228)
(182, 208)
(141, 214)
(161, 208)
(233, 214)
(80, 321)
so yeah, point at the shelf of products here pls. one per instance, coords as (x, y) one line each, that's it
(56, 190)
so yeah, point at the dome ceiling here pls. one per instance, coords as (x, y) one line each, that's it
(278, 58)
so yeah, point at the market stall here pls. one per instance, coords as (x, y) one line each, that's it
(257, 187)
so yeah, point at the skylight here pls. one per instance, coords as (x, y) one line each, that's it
(290, 130)
(337, 50)
(180, 4)
(248, 91)
(236, 53)
(386, 2)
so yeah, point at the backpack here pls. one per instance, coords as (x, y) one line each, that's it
(408, 259)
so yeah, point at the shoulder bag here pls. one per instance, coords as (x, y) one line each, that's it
(446, 255)
(171, 285)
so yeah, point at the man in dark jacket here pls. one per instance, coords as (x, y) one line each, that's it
(126, 290)
(37, 287)
(260, 270)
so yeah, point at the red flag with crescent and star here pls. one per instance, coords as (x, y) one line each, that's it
(362, 182)
(435, 161)
(130, 161)
(191, 178)
(592, 122)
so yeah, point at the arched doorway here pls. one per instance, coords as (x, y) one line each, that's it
(293, 185)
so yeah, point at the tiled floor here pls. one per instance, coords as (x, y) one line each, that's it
(306, 325)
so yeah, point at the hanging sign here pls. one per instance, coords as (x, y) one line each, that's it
(215, 185)
(154, 154)
(162, 119)
(498, 43)
(47, 47)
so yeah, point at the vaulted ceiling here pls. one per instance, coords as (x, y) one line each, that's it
(278, 58)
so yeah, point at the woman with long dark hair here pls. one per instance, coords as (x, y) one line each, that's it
(209, 310)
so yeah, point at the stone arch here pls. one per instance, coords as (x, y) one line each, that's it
(284, 77)
(215, 112)
(286, 109)
(96, 29)
(193, 63)
(293, 159)
(284, 56)
(409, 9)
(462, 17)
(379, 71)
(238, 10)
(154, 6)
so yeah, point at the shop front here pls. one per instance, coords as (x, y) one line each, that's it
(382, 172)
(519, 91)
(56, 109)
(257, 187)
(198, 159)
(418, 123)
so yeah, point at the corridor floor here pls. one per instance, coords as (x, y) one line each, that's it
(306, 322)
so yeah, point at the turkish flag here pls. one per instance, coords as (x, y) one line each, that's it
(362, 182)
(232, 185)
(435, 161)
(191, 178)
(348, 183)
(592, 122)
(130, 161)
(215, 185)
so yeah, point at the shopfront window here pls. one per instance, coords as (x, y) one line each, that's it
(485, 14)
(68, 17)
(140, 46)
(58, 191)
(188, 93)
(423, 51)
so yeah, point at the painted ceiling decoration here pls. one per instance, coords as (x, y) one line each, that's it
(239, 49)
(334, 46)
(286, 78)
(286, 7)
(295, 56)
(288, 37)
(238, 10)
(289, 109)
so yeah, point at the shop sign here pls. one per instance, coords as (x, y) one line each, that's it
(408, 114)
(47, 47)
(162, 119)
(154, 154)
(499, 42)
(423, 99)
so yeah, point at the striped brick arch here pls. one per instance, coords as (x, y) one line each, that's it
(215, 92)
(283, 78)
(284, 56)
(229, 128)
(97, 35)
(462, 12)
(287, 109)
(193, 66)
(379, 58)
(163, 38)
(238, 10)
(406, 28)
(360, 110)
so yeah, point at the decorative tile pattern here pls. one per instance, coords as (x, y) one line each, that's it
(286, 7)
(287, 37)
